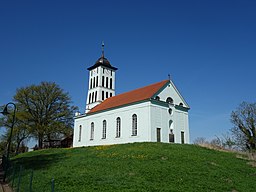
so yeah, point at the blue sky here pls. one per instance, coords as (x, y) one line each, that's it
(208, 47)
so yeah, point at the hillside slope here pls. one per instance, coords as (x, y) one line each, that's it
(136, 167)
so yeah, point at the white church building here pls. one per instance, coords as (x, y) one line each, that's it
(154, 113)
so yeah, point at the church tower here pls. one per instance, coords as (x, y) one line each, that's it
(101, 82)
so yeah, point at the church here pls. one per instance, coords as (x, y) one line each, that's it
(154, 113)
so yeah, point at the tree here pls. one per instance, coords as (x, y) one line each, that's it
(244, 130)
(47, 111)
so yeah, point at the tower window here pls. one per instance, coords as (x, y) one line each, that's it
(92, 131)
(95, 96)
(111, 72)
(90, 98)
(134, 125)
(157, 98)
(104, 130)
(102, 84)
(97, 81)
(107, 82)
(110, 83)
(102, 95)
(110, 94)
(103, 70)
(106, 95)
(93, 82)
(118, 127)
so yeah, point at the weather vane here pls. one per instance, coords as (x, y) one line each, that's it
(102, 48)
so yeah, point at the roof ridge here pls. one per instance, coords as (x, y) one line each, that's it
(129, 97)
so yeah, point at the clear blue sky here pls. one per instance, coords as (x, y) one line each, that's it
(208, 47)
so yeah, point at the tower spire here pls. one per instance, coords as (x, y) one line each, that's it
(102, 48)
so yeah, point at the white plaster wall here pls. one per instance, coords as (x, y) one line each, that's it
(171, 91)
(125, 113)
(160, 118)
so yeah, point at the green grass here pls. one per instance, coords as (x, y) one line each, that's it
(136, 167)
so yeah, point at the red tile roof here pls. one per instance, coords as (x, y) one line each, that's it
(136, 95)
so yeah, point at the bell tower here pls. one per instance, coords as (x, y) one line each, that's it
(101, 82)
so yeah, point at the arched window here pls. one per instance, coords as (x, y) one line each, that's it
(107, 82)
(93, 82)
(110, 94)
(134, 125)
(97, 78)
(80, 133)
(104, 130)
(157, 98)
(106, 95)
(92, 131)
(118, 127)
(169, 100)
(181, 104)
(102, 83)
(95, 96)
(110, 83)
(102, 95)
(90, 98)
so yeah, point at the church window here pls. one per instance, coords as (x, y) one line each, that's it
(80, 133)
(95, 96)
(92, 131)
(102, 95)
(106, 95)
(110, 83)
(181, 104)
(93, 82)
(107, 82)
(111, 72)
(102, 84)
(103, 70)
(104, 130)
(110, 94)
(157, 98)
(97, 81)
(169, 100)
(92, 96)
(134, 125)
(118, 127)
(170, 111)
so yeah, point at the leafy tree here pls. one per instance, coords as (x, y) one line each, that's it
(244, 130)
(47, 111)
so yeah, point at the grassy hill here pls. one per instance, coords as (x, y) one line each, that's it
(136, 167)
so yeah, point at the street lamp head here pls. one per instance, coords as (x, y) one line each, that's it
(5, 111)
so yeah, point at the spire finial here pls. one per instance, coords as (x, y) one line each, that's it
(169, 77)
(102, 48)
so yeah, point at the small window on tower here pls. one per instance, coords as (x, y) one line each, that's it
(110, 83)
(106, 94)
(102, 95)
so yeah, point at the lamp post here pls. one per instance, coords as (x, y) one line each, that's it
(5, 112)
